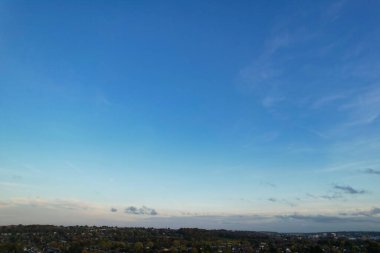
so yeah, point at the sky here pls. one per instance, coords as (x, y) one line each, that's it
(243, 115)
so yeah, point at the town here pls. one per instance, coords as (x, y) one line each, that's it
(91, 239)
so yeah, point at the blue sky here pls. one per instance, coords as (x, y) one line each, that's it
(254, 115)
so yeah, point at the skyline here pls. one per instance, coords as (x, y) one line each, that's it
(238, 115)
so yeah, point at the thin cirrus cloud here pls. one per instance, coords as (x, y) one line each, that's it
(267, 73)
(261, 72)
(364, 108)
(327, 100)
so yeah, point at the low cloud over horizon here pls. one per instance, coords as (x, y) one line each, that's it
(140, 210)
(44, 212)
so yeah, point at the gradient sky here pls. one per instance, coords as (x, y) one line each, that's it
(254, 115)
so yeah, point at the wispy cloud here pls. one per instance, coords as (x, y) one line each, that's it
(268, 184)
(334, 11)
(59, 204)
(318, 133)
(140, 211)
(271, 100)
(349, 166)
(277, 42)
(326, 100)
(332, 196)
(72, 205)
(283, 201)
(368, 213)
(258, 74)
(352, 110)
(14, 185)
(339, 192)
(311, 196)
(313, 218)
(263, 74)
(372, 171)
(101, 98)
(272, 68)
(364, 108)
(336, 219)
(349, 190)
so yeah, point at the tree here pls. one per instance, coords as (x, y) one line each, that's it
(139, 247)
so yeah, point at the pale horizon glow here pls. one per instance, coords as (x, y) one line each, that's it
(234, 115)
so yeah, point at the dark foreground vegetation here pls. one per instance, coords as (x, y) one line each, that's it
(80, 239)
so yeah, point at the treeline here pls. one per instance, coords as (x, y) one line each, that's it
(86, 239)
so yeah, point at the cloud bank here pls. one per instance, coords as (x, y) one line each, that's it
(67, 212)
